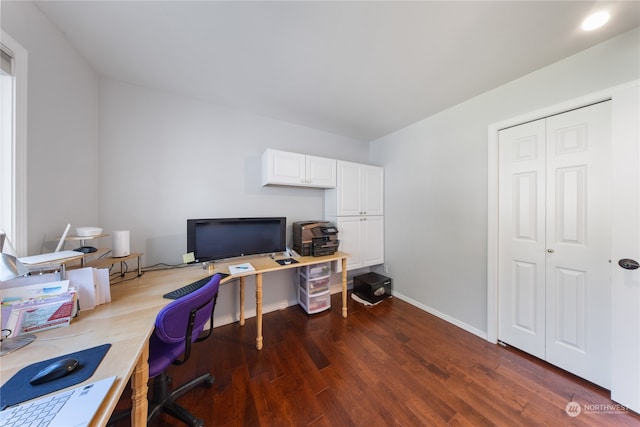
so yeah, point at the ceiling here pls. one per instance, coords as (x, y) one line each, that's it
(360, 69)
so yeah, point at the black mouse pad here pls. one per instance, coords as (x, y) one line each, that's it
(18, 389)
(283, 261)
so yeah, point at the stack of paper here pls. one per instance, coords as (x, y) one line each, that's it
(31, 305)
(92, 284)
(241, 268)
(34, 308)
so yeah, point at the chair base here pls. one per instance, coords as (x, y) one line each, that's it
(163, 401)
(166, 402)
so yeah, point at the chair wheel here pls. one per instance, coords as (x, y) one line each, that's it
(199, 423)
(209, 382)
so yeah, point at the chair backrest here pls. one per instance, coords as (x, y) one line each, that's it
(180, 323)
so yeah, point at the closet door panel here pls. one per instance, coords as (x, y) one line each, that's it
(554, 240)
(521, 286)
(578, 303)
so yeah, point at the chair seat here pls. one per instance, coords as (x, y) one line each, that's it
(161, 355)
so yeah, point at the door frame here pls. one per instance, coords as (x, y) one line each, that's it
(492, 214)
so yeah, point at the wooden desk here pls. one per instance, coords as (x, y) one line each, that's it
(127, 323)
(265, 264)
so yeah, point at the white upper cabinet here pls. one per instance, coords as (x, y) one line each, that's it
(359, 191)
(285, 168)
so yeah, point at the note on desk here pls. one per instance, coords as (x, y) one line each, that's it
(241, 268)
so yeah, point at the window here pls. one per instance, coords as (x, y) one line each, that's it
(13, 97)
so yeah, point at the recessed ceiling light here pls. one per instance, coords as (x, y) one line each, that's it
(595, 20)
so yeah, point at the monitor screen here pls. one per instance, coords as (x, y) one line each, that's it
(219, 238)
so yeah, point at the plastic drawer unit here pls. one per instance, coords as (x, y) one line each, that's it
(314, 290)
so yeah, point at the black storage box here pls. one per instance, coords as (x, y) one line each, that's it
(372, 287)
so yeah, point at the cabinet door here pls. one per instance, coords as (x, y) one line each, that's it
(349, 187)
(320, 172)
(359, 189)
(350, 235)
(372, 240)
(282, 167)
(363, 238)
(373, 188)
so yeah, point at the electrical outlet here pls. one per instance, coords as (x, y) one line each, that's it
(386, 269)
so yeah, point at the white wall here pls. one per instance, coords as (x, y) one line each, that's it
(165, 158)
(62, 127)
(436, 181)
(161, 159)
(125, 157)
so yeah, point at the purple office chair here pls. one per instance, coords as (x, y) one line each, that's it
(178, 325)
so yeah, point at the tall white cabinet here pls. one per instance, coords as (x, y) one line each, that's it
(356, 207)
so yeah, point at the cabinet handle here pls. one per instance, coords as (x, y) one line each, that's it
(550, 251)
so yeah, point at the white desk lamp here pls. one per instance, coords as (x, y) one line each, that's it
(10, 268)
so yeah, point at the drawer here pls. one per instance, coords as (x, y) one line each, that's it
(315, 286)
(314, 303)
(316, 270)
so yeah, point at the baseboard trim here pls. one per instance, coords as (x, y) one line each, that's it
(471, 329)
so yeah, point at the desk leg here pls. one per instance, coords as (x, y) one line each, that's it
(344, 288)
(139, 379)
(259, 310)
(242, 301)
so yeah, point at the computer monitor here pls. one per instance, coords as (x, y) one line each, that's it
(219, 238)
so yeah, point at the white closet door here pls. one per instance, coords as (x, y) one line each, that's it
(578, 299)
(554, 240)
(522, 237)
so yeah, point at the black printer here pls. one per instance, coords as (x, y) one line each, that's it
(315, 238)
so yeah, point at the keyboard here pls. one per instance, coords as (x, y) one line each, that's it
(73, 407)
(50, 257)
(191, 287)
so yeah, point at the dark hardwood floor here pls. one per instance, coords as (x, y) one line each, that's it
(386, 365)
